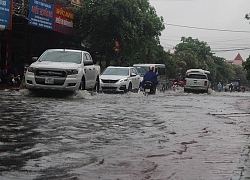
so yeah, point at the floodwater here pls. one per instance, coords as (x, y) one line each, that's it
(85, 135)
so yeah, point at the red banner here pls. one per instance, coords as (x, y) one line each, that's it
(63, 20)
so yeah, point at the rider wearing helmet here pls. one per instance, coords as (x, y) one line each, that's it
(231, 87)
(150, 76)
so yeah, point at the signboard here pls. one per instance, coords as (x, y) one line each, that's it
(50, 16)
(41, 14)
(6, 14)
(63, 20)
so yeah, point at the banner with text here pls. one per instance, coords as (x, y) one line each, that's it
(63, 20)
(50, 16)
(6, 13)
(41, 14)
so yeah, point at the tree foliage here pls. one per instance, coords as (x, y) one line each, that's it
(133, 23)
(192, 53)
(247, 63)
(247, 68)
(124, 32)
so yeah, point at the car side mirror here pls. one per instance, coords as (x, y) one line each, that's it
(33, 59)
(133, 74)
(88, 62)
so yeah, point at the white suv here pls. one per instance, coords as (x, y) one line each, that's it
(196, 82)
(63, 69)
(119, 79)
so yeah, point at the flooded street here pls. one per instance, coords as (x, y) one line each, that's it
(88, 136)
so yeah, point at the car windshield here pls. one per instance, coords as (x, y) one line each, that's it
(116, 71)
(197, 76)
(236, 83)
(141, 70)
(62, 56)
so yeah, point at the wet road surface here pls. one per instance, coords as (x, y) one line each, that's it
(171, 135)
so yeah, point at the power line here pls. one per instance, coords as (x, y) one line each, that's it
(226, 50)
(210, 29)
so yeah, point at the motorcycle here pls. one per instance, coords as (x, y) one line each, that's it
(175, 86)
(243, 88)
(230, 89)
(15, 80)
(149, 88)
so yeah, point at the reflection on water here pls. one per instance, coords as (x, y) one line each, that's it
(18, 130)
(51, 136)
(98, 136)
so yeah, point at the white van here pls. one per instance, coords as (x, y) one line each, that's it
(197, 80)
(159, 69)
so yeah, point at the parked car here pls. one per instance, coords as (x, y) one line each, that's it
(119, 79)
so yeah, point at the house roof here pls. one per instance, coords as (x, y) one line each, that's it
(238, 57)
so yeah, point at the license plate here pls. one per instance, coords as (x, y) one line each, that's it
(147, 90)
(49, 80)
(107, 85)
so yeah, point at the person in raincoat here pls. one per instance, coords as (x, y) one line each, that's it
(219, 87)
(150, 76)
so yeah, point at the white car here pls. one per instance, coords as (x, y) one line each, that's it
(197, 80)
(119, 79)
(63, 69)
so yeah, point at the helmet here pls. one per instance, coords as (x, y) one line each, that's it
(151, 68)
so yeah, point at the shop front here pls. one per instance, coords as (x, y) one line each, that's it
(27, 30)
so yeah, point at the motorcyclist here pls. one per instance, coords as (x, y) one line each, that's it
(219, 86)
(175, 84)
(231, 86)
(150, 76)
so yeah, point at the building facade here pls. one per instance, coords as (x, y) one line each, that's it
(28, 27)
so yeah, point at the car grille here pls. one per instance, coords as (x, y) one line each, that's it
(58, 75)
(109, 88)
(49, 72)
(109, 81)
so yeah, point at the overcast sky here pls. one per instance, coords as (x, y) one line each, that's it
(220, 23)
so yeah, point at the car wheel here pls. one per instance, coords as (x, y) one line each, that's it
(82, 85)
(97, 85)
(129, 87)
(31, 90)
(163, 88)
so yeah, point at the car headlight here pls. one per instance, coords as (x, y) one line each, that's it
(71, 71)
(31, 69)
(121, 80)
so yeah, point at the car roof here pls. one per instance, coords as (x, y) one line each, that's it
(198, 71)
(72, 50)
(119, 67)
(147, 65)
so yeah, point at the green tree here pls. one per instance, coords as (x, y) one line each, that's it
(197, 54)
(199, 49)
(224, 72)
(246, 66)
(247, 63)
(134, 23)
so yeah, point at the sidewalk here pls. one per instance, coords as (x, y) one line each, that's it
(7, 86)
